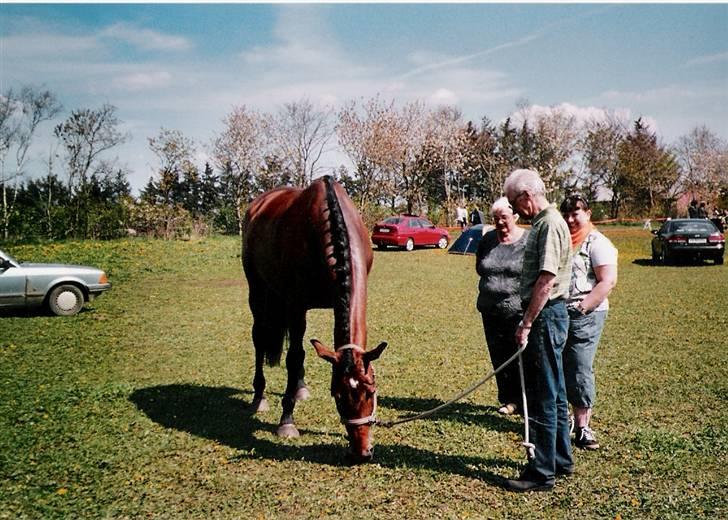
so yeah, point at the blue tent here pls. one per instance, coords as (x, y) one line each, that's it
(467, 242)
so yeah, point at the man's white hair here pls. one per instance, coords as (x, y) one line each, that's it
(523, 180)
(502, 204)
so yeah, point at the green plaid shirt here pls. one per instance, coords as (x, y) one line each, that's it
(548, 249)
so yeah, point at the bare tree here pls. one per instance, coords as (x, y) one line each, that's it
(239, 151)
(703, 159)
(548, 141)
(176, 154)
(85, 135)
(447, 141)
(300, 133)
(365, 134)
(19, 118)
(600, 149)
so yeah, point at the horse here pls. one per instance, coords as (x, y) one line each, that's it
(309, 249)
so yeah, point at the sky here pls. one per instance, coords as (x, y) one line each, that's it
(185, 66)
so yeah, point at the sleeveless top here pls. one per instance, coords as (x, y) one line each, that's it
(596, 250)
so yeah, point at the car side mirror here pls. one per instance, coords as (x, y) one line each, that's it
(5, 263)
(655, 231)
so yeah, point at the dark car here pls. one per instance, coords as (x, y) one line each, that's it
(408, 231)
(687, 239)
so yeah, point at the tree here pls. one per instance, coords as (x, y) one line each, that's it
(703, 158)
(445, 151)
(300, 133)
(600, 149)
(548, 139)
(365, 135)
(85, 135)
(650, 172)
(19, 118)
(485, 167)
(239, 153)
(176, 157)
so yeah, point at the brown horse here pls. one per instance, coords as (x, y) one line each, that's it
(309, 249)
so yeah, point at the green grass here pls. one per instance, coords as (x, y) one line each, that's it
(136, 407)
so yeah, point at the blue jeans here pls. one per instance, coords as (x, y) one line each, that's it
(581, 348)
(546, 394)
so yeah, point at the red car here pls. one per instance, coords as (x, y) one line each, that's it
(408, 231)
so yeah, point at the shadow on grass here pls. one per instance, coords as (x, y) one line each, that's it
(466, 413)
(218, 414)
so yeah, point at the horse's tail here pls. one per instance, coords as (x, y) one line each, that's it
(339, 260)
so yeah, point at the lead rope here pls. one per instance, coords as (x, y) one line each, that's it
(530, 448)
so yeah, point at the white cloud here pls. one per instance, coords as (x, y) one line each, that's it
(585, 114)
(712, 58)
(443, 96)
(138, 81)
(145, 38)
(46, 46)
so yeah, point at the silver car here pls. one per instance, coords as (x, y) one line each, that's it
(62, 288)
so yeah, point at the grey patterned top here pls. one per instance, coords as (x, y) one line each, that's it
(499, 266)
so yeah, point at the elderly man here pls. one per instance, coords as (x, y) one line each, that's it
(544, 287)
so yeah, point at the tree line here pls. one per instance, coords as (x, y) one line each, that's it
(410, 158)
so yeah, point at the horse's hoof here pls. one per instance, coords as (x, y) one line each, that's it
(259, 405)
(288, 431)
(302, 394)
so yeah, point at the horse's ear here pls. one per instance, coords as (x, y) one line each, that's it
(371, 355)
(323, 352)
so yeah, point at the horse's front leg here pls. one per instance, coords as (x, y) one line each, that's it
(295, 388)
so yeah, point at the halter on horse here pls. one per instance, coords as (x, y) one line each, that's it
(309, 249)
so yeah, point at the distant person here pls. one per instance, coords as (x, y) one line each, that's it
(461, 217)
(702, 211)
(498, 261)
(693, 209)
(719, 218)
(593, 276)
(544, 288)
(647, 225)
(476, 216)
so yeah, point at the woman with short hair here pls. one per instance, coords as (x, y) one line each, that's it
(498, 261)
(593, 275)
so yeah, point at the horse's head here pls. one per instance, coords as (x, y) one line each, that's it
(355, 392)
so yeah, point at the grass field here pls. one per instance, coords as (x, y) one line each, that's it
(137, 406)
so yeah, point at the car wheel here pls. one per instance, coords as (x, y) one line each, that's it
(442, 243)
(65, 300)
(718, 260)
(655, 257)
(381, 247)
(664, 257)
(410, 245)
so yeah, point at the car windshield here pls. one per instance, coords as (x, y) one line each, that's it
(392, 220)
(693, 227)
(5, 255)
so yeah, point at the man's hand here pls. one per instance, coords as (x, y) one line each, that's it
(522, 333)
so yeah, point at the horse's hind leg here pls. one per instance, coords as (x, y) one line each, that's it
(295, 388)
(260, 403)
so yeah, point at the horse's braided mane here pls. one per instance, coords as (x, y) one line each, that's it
(342, 264)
